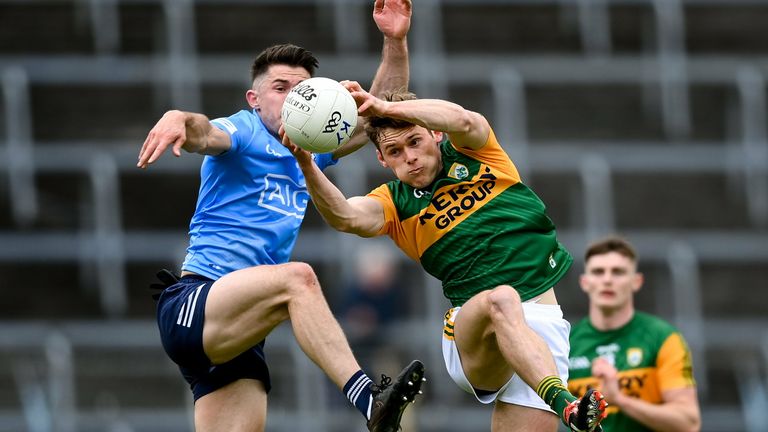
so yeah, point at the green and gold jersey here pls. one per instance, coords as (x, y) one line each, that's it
(649, 353)
(476, 227)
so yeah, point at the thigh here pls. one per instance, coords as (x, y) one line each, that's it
(514, 418)
(481, 359)
(243, 307)
(238, 407)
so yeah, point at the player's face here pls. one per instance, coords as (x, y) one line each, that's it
(413, 154)
(611, 280)
(269, 92)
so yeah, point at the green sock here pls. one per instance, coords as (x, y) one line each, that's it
(554, 393)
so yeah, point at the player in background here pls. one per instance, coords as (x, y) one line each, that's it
(237, 282)
(459, 208)
(638, 361)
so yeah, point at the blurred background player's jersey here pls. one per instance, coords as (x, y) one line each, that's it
(649, 353)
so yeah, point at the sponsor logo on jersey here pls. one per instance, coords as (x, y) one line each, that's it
(419, 193)
(272, 151)
(458, 171)
(580, 362)
(634, 357)
(637, 383)
(608, 352)
(458, 201)
(552, 262)
(283, 195)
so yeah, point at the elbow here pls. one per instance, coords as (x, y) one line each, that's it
(351, 227)
(693, 424)
(466, 122)
(470, 121)
(345, 225)
(696, 426)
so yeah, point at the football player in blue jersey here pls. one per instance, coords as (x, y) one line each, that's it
(237, 283)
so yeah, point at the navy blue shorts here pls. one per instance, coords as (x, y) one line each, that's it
(180, 317)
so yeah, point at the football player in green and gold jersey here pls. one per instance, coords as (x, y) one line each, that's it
(638, 361)
(460, 209)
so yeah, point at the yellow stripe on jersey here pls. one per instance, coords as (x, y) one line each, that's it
(397, 231)
(493, 155)
(450, 204)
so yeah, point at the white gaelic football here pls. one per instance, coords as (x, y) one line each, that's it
(319, 115)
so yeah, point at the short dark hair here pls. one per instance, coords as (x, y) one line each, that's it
(608, 244)
(285, 54)
(374, 125)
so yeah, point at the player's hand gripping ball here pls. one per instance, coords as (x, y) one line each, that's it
(319, 115)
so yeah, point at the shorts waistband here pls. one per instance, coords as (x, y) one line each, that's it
(192, 278)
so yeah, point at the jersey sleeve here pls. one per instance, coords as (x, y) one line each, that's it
(324, 160)
(239, 131)
(492, 154)
(384, 197)
(674, 366)
(393, 226)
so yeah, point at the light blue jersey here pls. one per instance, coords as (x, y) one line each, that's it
(251, 203)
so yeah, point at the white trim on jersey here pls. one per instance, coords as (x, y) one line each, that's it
(226, 124)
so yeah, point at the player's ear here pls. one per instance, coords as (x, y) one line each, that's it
(381, 159)
(252, 98)
(438, 136)
(583, 282)
(637, 282)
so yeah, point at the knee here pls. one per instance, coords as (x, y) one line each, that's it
(301, 278)
(504, 301)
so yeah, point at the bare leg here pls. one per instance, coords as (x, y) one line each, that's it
(238, 407)
(516, 418)
(495, 342)
(243, 307)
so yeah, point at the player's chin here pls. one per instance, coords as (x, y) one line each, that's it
(415, 183)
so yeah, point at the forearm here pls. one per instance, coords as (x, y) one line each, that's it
(393, 73)
(665, 417)
(328, 199)
(198, 129)
(433, 114)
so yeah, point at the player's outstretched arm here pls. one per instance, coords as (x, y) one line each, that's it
(393, 18)
(363, 216)
(179, 130)
(466, 128)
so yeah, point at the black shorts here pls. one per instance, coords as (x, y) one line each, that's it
(180, 318)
